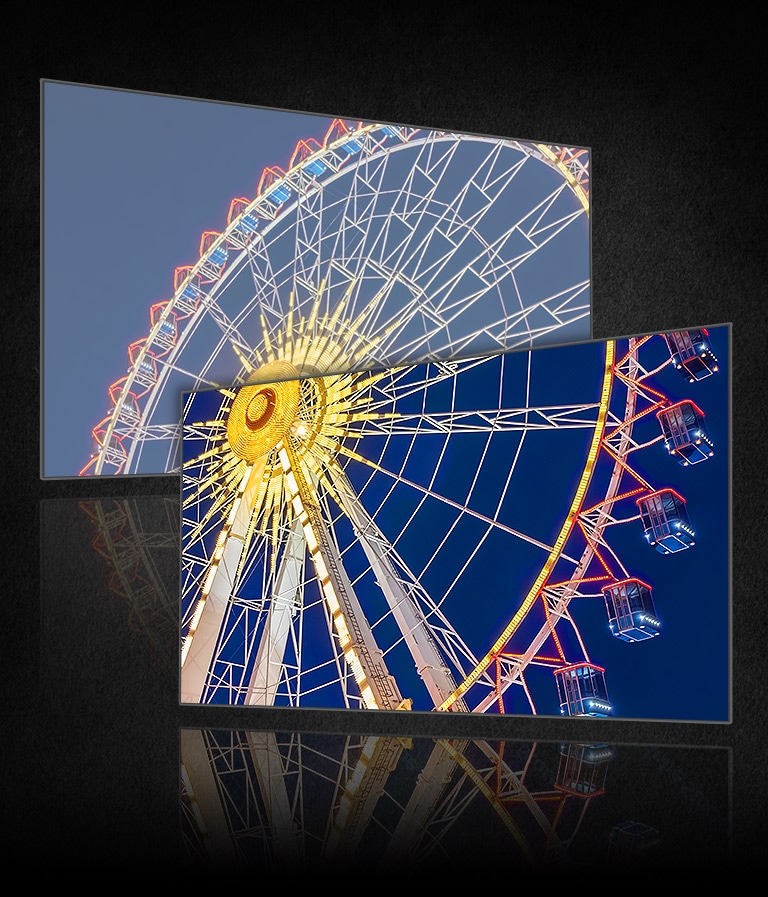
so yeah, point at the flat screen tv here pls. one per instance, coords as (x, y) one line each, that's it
(532, 532)
(183, 239)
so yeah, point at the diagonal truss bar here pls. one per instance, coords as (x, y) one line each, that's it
(363, 656)
(200, 643)
(410, 619)
(286, 602)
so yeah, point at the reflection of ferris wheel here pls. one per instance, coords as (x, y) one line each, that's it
(401, 539)
(303, 801)
(388, 244)
(138, 538)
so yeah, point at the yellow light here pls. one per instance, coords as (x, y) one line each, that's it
(263, 411)
(322, 570)
(290, 479)
(368, 697)
(341, 628)
(312, 543)
(209, 578)
(330, 597)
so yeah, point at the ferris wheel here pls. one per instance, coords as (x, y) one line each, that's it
(414, 538)
(381, 245)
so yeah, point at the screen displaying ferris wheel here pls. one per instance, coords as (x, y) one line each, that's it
(533, 532)
(179, 235)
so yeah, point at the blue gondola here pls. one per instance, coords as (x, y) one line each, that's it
(247, 225)
(685, 433)
(352, 146)
(691, 353)
(632, 614)
(582, 769)
(168, 327)
(582, 691)
(279, 194)
(315, 167)
(218, 256)
(665, 521)
(147, 367)
(129, 406)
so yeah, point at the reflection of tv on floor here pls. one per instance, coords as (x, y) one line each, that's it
(510, 533)
(209, 224)
(292, 799)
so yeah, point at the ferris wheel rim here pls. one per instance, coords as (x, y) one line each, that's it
(619, 456)
(559, 545)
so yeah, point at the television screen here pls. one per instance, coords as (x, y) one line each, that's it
(185, 240)
(533, 532)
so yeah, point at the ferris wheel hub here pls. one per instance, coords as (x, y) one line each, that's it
(263, 412)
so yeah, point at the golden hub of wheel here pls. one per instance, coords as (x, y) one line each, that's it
(262, 413)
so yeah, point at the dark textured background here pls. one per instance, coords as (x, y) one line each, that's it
(672, 113)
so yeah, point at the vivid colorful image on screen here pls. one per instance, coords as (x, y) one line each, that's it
(535, 532)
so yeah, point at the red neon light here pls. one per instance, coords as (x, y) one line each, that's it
(552, 630)
(101, 427)
(570, 582)
(626, 467)
(134, 350)
(630, 351)
(617, 498)
(595, 551)
(116, 387)
(180, 275)
(576, 666)
(208, 238)
(236, 208)
(304, 148)
(640, 384)
(84, 471)
(621, 582)
(337, 130)
(156, 311)
(268, 177)
(678, 405)
(631, 420)
(660, 492)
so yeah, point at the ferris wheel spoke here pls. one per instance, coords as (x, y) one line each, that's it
(214, 600)
(229, 328)
(485, 264)
(546, 315)
(285, 604)
(400, 588)
(431, 493)
(488, 421)
(363, 655)
(309, 229)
